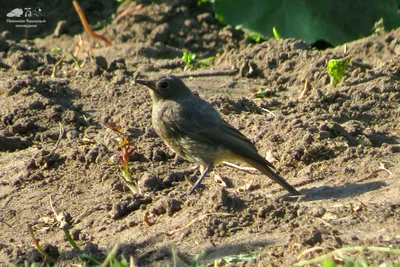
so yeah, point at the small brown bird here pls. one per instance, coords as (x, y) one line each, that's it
(192, 128)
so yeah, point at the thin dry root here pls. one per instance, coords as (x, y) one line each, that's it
(247, 169)
(270, 112)
(127, 12)
(307, 87)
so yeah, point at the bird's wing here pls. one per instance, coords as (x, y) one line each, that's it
(199, 121)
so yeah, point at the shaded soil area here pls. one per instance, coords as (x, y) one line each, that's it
(338, 146)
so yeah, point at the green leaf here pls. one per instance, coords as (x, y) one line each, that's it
(329, 262)
(276, 34)
(335, 21)
(188, 58)
(56, 50)
(336, 69)
(251, 36)
(237, 258)
(201, 2)
(262, 92)
(191, 63)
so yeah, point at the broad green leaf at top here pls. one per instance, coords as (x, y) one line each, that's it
(335, 21)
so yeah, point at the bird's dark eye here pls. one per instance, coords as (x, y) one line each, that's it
(164, 85)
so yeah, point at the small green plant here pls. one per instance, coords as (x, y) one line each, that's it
(336, 69)
(236, 258)
(254, 37)
(262, 92)
(337, 258)
(79, 63)
(63, 221)
(102, 23)
(192, 63)
(56, 50)
(112, 261)
(251, 36)
(47, 258)
(195, 262)
(276, 34)
(379, 27)
(121, 158)
(26, 264)
(58, 63)
(189, 59)
(202, 2)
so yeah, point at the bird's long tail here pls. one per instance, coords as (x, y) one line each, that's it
(262, 166)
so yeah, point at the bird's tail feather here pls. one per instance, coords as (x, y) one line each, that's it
(265, 169)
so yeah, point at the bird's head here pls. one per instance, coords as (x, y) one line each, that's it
(165, 87)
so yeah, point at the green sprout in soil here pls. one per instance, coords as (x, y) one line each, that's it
(276, 34)
(58, 63)
(195, 262)
(121, 159)
(337, 258)
(47, 258)
(192, 63)
(224, 261)
(112, 261)
(336, 69)
(64, 221)
(202, 2)
(379, 27)
(26, 264)
(251, 36)
(56, 50)
(262, 92)
(102, 23)
(78, 62)
(236, 258)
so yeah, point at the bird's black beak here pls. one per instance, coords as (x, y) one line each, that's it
(146, 81)
(149, 83)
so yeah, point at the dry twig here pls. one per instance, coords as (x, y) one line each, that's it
(85, 24)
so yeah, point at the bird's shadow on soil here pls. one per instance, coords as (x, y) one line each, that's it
(207, 255)
(344, 191)
(91, 253)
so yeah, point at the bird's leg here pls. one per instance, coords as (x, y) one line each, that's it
(203, 174)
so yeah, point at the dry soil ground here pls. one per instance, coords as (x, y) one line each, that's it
(331, 143)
